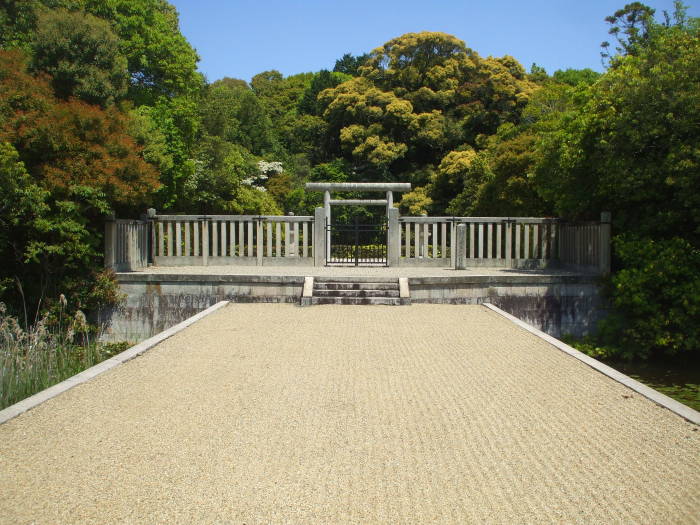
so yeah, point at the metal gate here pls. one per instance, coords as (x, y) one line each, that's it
(356, 244)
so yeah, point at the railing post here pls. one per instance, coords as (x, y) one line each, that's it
(453, 242)
(393, 249)
(204, 221)
(319, 236)
(151, 218)
(604, 243)
(461, 247)
(509, 243)
(111, 242)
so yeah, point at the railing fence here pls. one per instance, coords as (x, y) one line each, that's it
(521, 242)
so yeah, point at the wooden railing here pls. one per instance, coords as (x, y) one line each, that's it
(585, 246)
(232, 239)
(490, 241)
(126, 244)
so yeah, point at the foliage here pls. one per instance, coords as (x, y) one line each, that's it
(418, 97)
(161, 61)
(81, 54)
(349, 64)
(630, 144)
(656, 295)
(64, 164)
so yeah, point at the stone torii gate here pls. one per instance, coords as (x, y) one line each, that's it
(391, 212)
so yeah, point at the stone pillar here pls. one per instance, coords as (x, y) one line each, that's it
(111, 242)
(604, 243)
(319, 236)
(151, 218)
(461, 244)
(389, 202)
(327, 209)
(393, 243)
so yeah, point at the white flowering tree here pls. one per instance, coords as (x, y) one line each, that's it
(265, 169)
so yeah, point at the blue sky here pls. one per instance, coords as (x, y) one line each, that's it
(240, 38)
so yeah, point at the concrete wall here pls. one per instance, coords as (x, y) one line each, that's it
(157, 302)
(557, 305)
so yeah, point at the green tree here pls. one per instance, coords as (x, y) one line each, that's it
(161, 61)
(349, 64)
(81, 53)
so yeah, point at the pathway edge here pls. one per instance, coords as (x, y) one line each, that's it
(674, 406)
(86, 375)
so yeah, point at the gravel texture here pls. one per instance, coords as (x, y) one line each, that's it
(271, 413)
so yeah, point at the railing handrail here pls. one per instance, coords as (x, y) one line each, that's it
(519, 220)
(275, 218)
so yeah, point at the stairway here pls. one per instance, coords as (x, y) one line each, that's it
(357, 290)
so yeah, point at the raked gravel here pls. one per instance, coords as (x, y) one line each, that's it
(271, 413)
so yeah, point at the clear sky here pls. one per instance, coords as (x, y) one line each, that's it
(240, 38)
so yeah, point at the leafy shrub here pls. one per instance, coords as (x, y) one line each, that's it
(656, 296)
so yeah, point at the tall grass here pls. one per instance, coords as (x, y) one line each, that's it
(45, 353)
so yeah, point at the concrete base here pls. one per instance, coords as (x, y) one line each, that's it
(555, 304)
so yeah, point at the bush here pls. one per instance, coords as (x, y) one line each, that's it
(656, 296)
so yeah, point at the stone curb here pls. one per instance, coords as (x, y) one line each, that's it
(657, 397)
(27, 404)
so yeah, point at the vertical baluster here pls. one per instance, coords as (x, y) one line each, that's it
(222, 239)
(489, 240)
(517, 241)
(269, 239)
(416, 240)
(425, 240)
(278, 239)
(407, 239)
(526, 240)
(499, 237)
(170, 239)
(187, 239)
(443, 238)
(472, 239)
(295, 240)
(287, 240)
(481, 250)
(305, 235)
(536, 241)
(250, 239)
(259, 240)
(196, 225)
(435, 240)
(214, 238)
(178, 239)
(232, 238)
(161, 240)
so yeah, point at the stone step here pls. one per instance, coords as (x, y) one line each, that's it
(356, 293)
(337, 285)
(392, 301)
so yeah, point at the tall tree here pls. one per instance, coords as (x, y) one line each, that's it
(81, 53)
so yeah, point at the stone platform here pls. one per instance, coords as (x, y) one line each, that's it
(555, 301)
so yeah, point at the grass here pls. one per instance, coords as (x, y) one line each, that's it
(36, 358)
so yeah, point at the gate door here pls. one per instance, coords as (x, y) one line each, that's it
(356, 244)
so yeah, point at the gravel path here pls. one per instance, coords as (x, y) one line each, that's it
(271, 413)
